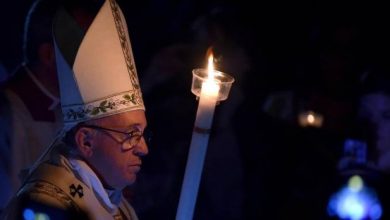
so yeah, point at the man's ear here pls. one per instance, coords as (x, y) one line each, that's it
(83, 139)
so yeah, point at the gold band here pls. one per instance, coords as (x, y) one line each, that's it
(202, 130)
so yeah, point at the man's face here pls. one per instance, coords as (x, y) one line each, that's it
(118, 167)
(375, 108)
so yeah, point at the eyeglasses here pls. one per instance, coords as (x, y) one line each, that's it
(131, 139)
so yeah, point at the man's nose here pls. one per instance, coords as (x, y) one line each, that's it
(142, 148)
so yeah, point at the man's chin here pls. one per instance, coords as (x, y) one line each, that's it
(130, 180)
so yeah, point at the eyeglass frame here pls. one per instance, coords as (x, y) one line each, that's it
(129, 136)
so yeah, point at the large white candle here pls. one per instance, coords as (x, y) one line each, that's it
(200, 136)
(207, 100)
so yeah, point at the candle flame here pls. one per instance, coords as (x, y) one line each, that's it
(210, 66)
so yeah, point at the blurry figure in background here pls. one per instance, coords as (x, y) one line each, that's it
(5, 183)
(367, 152)
(374, 114)
(328, 84)
(3, 73)
(167, 86)
(291, 167)
(100, 147)
(30, 116)
(330, 95)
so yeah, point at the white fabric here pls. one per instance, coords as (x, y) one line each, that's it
(96, 77)
(103, 79)
(109, 198)
(67, 85)
(28, 138)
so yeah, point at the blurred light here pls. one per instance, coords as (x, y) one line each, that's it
(351, 206)
(41, 216)
(355, 183)
(310, 118)
(375, 212)
(28, 214)
(355, 150)
(355, 202)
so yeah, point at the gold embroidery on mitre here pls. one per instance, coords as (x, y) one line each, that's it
(124, 44)
(123, 101)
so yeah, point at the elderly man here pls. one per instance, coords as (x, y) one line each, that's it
(99, 150)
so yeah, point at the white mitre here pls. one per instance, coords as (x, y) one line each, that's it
(96, 69)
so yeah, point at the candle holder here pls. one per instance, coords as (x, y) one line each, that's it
(223, 80)
(209, 91)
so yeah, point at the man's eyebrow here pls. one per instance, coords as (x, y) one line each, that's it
(134, 127)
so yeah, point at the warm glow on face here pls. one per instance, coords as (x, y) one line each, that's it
(210, 66)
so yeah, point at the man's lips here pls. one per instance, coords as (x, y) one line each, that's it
(135, 167)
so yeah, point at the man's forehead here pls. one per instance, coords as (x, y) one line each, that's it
(129, 119)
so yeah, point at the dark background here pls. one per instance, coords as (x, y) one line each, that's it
(281, 170)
